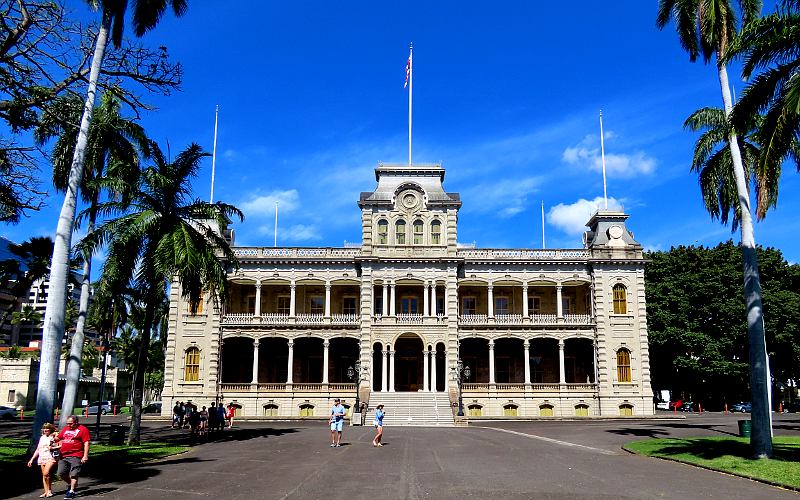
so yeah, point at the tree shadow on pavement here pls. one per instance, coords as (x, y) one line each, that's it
(707, 427)
(653, 433)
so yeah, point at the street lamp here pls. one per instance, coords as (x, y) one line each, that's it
(354, 374)
(461, 373)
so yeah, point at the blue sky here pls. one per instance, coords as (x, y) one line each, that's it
(506, 96)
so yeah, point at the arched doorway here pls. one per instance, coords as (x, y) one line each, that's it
(408, 361)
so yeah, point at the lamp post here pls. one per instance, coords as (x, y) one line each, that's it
(461, 373)
(354, 374)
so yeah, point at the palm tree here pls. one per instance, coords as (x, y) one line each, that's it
(113, 147)
(706, 27)
(146, 14)
(771, 45)
(28, 315)
(31, 264)
(177, 242)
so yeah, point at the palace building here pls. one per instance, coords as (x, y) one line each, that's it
(412, 319)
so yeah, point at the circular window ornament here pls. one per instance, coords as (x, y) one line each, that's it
(409, 200)
(615, 232)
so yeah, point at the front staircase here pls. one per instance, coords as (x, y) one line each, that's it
(422, 409)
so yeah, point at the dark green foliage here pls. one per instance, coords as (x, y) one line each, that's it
(697, 324)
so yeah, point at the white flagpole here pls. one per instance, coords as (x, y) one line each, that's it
(410, 91)
(542, 224)
(603, 158)
(214, 153)
(275, 244)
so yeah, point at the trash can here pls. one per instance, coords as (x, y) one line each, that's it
(745, 428)
(117, 435)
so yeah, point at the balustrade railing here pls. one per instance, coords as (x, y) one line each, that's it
(302, 253)
(518, 254)
(235, 387)
(543, 319)
(309, 319)
(577, 319)
(473, 319)
(344, 319)
(550, 387)
(508, 319)
(297, 387)
(415, 319)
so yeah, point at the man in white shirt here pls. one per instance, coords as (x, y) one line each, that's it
(337, 422)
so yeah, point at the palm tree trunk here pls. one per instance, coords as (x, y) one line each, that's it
(59, 267)
(134, 433)
(74, 362)
(761, 438)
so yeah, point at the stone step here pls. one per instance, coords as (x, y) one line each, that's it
(412, 409)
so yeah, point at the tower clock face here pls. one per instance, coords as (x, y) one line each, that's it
(615, 232)
(409, 200)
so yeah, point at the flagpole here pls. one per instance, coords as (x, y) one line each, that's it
(214, 154)
(275, 244)
(603, 158)
(410, 91)
(542, 224)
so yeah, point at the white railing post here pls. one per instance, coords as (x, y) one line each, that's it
(325, 349)
(290, 363)
(258, 298)
(527, 346)
(491, 361)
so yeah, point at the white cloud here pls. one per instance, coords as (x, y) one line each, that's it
(572, 218)
(264, 205)
(292, 234)
(506, 198)
(617, 164)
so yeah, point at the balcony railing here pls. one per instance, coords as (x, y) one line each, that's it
(410, 319)
(518, 319)
(302, 253)
(299, 387)
(413, 319)
(483, 387)
(517, 254)
(243, 319)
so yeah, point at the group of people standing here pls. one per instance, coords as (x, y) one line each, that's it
(68, 448)
(205, 420)
(336, 421)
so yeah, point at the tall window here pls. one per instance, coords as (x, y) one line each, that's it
(383, 231)
(534, 305)
(623, 365)
(284, 304)
(316, 304)
(436, 233)
(349, 305)
(192, 365)
(501, 305)
(620, 299)
(567, 305)
(468, 305)
(418, 230)
(196, 307)
(400, 232)
(408, 305)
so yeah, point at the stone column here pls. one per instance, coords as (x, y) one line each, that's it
(491, 362)
(257, 311)
(385, 300)
(391, 370)
(433, 369)
(426, 374)
(325, 348)
(392, 301)
(327, 300)
(290, 363)
(562, 373)
(292, 297)
(434, 312)
(255, 361)
(384, 370)
(525, 312)
(559, 304)
(425, 301)
(527, 346)
(490, 305)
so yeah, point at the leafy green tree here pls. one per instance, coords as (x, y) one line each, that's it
(146, 14)
(771, 46)
(706, 27)
(176, 242)
(27, 316)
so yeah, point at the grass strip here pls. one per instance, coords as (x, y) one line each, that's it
(729, 454)
(15, 450)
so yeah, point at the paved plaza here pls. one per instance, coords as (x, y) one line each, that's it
(541, 459)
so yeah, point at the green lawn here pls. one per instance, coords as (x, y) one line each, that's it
(15, 451)
(729, 454)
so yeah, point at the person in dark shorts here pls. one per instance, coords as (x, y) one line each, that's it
(74, 442)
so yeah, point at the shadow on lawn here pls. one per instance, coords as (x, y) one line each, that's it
(110, 468)
(710, 449)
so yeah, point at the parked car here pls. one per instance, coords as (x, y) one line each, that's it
(675, 405)
(103, 406)
(742, 407)
(7, 413)
(688, 406)
(663, 405)
(152, 408)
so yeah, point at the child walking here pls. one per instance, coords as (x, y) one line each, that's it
(44, 458)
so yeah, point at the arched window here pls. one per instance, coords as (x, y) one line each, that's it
(620, 299)
(474, 410)
(383, 231)
(436, 233)
(192, 365)
(625, 410)
(546, 411)
(271, 410)
(581, 410)
(510, 410)
(418, 230)
(306, 410)
(623, 365)
(400, 232)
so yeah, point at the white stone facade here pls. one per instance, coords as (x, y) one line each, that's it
(558, 332)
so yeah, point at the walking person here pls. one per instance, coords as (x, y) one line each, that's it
(45, 459)
(74, 441)
(212, 417)
(379, 414)
(230, 414)
(221, 416)
(336, 421)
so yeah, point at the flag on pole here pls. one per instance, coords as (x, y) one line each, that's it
(408, 70)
